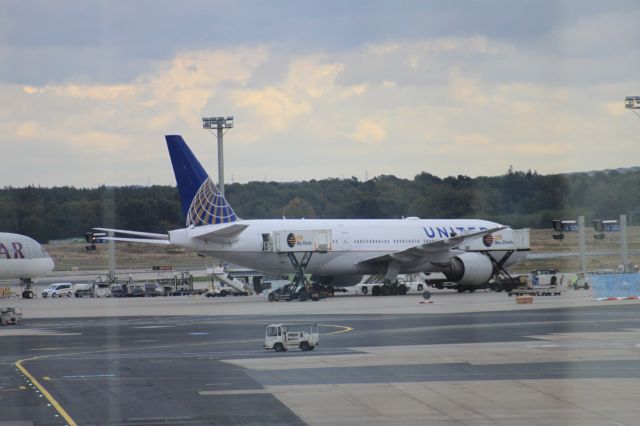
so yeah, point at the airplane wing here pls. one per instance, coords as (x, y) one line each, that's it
(420, 251)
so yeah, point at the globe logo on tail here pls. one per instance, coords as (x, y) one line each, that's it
(209, 207)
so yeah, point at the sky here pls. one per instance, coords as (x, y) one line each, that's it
(318, 89)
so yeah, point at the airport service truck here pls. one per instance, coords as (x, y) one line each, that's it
(541, 282)
(10, 315)
(406, 283)
(281, 337)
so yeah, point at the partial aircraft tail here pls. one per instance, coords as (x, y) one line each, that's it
(202, 203)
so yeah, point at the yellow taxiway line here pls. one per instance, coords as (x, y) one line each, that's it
(343, 327)
(67, 417)
(45, 393)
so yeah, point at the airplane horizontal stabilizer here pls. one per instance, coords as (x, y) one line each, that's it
(137, 240)
(137, 233)
(423, 250)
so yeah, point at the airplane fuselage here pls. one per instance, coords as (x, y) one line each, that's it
(352, 243)
(22, 257)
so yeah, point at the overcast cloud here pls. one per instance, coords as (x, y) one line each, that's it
(318, 89)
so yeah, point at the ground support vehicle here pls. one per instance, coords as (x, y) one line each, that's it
(167, 285)
(223, 285)
(95, 289)
(301, 292)
(389, 289)
(183, 285)
(220, 291)
(376, 285)
(271, 285)
(281, 337)
(58, 290)
(136, 289)
(541, 282)
(302, 243)
(83, 290)
(10, 315)
(147, 289)
(509, 283)
(440, 283)
(444, 283)
(500, 283)
(290, 291)
(546, 277)
(581, 280)
(537, 291)
(178, 285)
(120, 290)
(320, 291)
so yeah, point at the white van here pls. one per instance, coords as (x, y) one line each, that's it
(58, 290)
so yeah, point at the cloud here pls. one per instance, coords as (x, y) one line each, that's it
(273, 107)
(613, 108)
(93, 92)
(369, 131)
(309, 85)
(27, 130)
(450, 105)
(177, 92)
(466, 91)
(192, 79)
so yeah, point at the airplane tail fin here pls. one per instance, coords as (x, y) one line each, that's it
(202, 203)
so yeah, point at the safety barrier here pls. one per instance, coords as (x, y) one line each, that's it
(615, 286)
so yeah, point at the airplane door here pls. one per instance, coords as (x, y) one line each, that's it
(345, 241)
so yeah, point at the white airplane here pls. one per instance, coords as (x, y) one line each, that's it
(23, 258)
(337, 251)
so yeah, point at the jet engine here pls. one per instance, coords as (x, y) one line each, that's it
(469, 269)
(337, 280)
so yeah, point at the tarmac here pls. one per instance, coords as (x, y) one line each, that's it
(465, 359)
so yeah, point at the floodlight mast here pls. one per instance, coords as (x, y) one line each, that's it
(219, 124)
(632, 103)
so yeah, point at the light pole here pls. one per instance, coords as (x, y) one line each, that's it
(562, 226)
(632, 103)
(219, 124)
(613, 225)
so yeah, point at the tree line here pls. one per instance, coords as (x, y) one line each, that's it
(519, 199)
